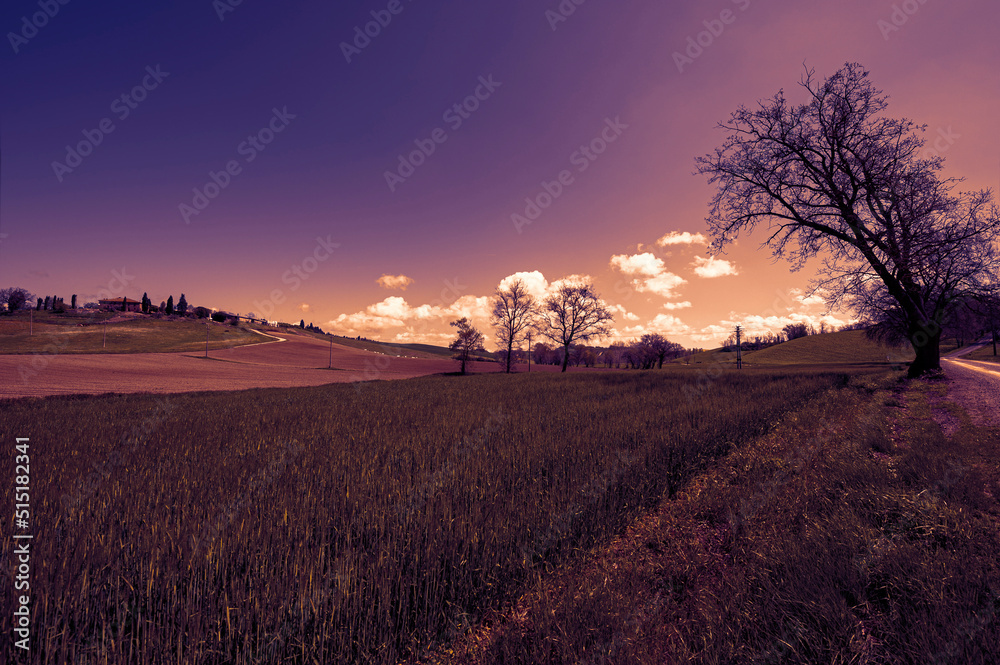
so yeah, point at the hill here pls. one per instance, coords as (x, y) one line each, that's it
(84, 332)
(849, 347)
(388, 348)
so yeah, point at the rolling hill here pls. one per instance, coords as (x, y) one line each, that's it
(849, 347)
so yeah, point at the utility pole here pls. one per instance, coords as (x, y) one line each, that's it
(105, 333)
(529, 350)
(31, 327)
(207, 328)
(739, 350)
(331, 352)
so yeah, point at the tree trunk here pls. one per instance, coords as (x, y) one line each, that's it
(565, 362)
(926, 340)
(510, 351)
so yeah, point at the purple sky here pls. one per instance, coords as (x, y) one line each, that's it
(201, 82)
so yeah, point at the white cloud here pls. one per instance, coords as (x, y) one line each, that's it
(810, 300)
(534, 283)
(621, 313)
(754, 324)
(395, 312)
(570, 280)
(648, 273)
(645, 265)
(305, 307)
(394, 319)
(392, 282)
(667, 325)
(682, 238)
(713, 267)
(663, 285)
(676, 305)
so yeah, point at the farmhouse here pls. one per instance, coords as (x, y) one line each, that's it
(116, 304)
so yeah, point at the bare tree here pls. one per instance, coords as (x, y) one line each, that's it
(835, 177)
(574, 313)
(660, 348)
(795, 330)
(615, 354)
(512, 316)
(14, 298)
(469, 340)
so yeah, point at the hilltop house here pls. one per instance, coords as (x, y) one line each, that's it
(115, 304)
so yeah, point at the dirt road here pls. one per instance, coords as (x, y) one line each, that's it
(975, 386)
(299, 360)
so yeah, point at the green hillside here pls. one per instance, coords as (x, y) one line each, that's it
(84, 332)
(387, 348)
(850, 347)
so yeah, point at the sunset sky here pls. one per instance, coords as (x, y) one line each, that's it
(246, 164)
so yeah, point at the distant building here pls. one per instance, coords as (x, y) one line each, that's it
(115, 304)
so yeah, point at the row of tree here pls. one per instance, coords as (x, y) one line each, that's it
(574, 313)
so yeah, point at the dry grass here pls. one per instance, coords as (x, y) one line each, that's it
(347, 523)
(855, 532)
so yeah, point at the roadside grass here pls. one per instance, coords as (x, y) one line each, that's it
(854, 532)
(345, 523)
(983, 354)
(140, 335)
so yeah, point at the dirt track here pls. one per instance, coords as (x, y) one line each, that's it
(976, 387)
(299, 361)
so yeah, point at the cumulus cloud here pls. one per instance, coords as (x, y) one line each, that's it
(534, 283)
(422, 322)
(648, 273)
(713, 267)
(396, 320)
(646, 264)
(393, 282)
(682, 238)
(667, 325)
(621, 313)
(305, 307)
(570, 280)
(676, 305)
(797, 308)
